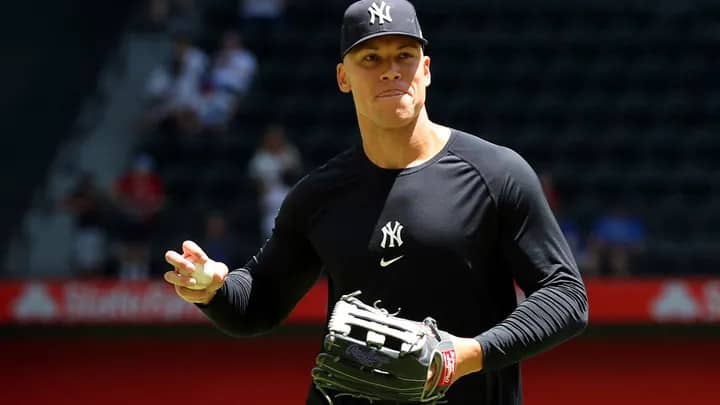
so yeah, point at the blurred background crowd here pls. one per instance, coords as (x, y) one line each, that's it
(131, 126)
(192, 119)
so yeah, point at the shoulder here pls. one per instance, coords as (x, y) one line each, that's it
(335, 171)
(481, 152)
(314, 188)
(500, 166)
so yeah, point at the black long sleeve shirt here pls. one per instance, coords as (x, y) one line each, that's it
(446, 239)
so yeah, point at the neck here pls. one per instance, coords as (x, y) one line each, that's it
(405, 146)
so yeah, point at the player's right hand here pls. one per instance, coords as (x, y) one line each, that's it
(184, 265)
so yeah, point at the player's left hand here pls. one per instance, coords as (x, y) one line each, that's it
(372, 354)
(468, 359)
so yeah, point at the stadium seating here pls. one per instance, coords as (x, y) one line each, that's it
(619, 100)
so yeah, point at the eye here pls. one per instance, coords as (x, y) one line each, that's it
(371, 57)
(405, 55)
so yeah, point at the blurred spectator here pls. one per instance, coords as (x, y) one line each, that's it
(154, 18)
(140, 195)
(235, 66)
(174, 90)
(185, 17)
(617, 239)
(268, 12)
(163, 16)
(275, 166)
(258, 17)
(216, 240)
(88, 205)
(233, 70)
(140, 191)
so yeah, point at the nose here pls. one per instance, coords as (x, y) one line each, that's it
(392, 73)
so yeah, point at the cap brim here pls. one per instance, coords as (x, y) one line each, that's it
(420, 39)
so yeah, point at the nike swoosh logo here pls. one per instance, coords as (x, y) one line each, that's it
(384, 263)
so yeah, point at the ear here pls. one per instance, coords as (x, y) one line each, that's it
(342, 79)
(426, 70)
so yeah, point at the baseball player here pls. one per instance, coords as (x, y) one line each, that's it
(422, 216)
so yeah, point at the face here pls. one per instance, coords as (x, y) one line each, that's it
(231, 40)
(274, 138)
(387, 77)
(216, 225)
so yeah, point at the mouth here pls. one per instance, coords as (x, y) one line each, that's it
(391, 93)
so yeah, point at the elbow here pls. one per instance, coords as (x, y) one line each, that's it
(581, 316)
(230, 327)
(243, 331)
(232, 331)
(580, 323)
(574, 326)
(247, 328)
(577, 312)
(239, 328)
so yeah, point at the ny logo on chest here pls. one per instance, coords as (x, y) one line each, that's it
(391, 237)
(392, 234)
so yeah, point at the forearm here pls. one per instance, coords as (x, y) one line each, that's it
(469, 356)
(228, 308)
(250, 304)
(552, 314)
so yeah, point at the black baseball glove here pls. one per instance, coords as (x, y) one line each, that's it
(369, 353)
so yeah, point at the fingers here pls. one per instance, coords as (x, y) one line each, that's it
(183, 287)
(184, 265)
(430, 374)
(193, 252)
(181, 264)
(429, 383)
(194, 296)
(176, 278)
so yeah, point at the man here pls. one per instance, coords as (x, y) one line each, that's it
(274, 167)
(421, 216)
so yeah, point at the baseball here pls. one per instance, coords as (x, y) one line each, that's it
(203, 275)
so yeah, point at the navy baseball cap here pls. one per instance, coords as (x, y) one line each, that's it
(366, 19)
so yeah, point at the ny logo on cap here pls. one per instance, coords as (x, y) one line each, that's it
(382, 12)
